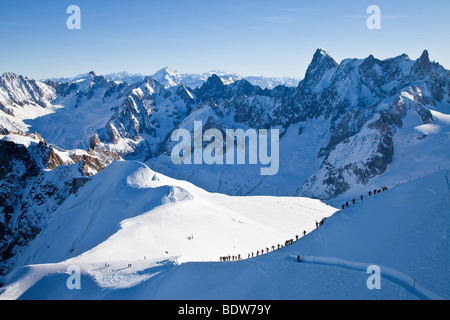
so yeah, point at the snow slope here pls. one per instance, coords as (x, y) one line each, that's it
(403, 230)
(128, 212)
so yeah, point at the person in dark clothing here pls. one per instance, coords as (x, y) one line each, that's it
(298, 259)
(346, 204)
(353, 201)
(304, 232)
(370, 193)
(343, 206)
(362, 197)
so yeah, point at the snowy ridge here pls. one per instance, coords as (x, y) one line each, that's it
(127, 201)
(408, 257)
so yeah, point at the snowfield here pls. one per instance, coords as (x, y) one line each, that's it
(133, 215)
(129, 214)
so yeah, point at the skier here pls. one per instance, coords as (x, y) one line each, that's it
(362, 197)
(346, 204)
(353, 201)
(298, 259)
(304, 232)
(343, 206)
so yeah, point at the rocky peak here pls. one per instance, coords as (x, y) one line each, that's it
(321, 64)
(214, 81)
(421, 68)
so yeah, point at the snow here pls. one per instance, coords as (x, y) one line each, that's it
(404, 231)
(26, 141)
(128, 212)
(71, 126)
(173, 232)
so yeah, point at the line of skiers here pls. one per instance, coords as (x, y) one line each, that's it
(370, 193)
(267, 249)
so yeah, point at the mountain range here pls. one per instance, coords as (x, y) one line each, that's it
(345, 128)
(171, 78)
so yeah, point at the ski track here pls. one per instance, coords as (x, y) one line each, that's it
(395, 276)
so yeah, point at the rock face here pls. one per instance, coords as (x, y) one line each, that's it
(27, 192)
(34, 181)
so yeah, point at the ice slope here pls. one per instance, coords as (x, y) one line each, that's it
(403, 230)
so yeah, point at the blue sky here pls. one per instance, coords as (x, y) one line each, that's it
(249, 37)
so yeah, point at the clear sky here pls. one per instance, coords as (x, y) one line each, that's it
(249, 37)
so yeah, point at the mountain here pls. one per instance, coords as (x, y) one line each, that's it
(343, 126)
(124, 77)
(381, 108)
(171, 78)
(402, 231)
(346, 128)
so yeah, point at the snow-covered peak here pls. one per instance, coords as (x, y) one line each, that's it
(167, 77)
